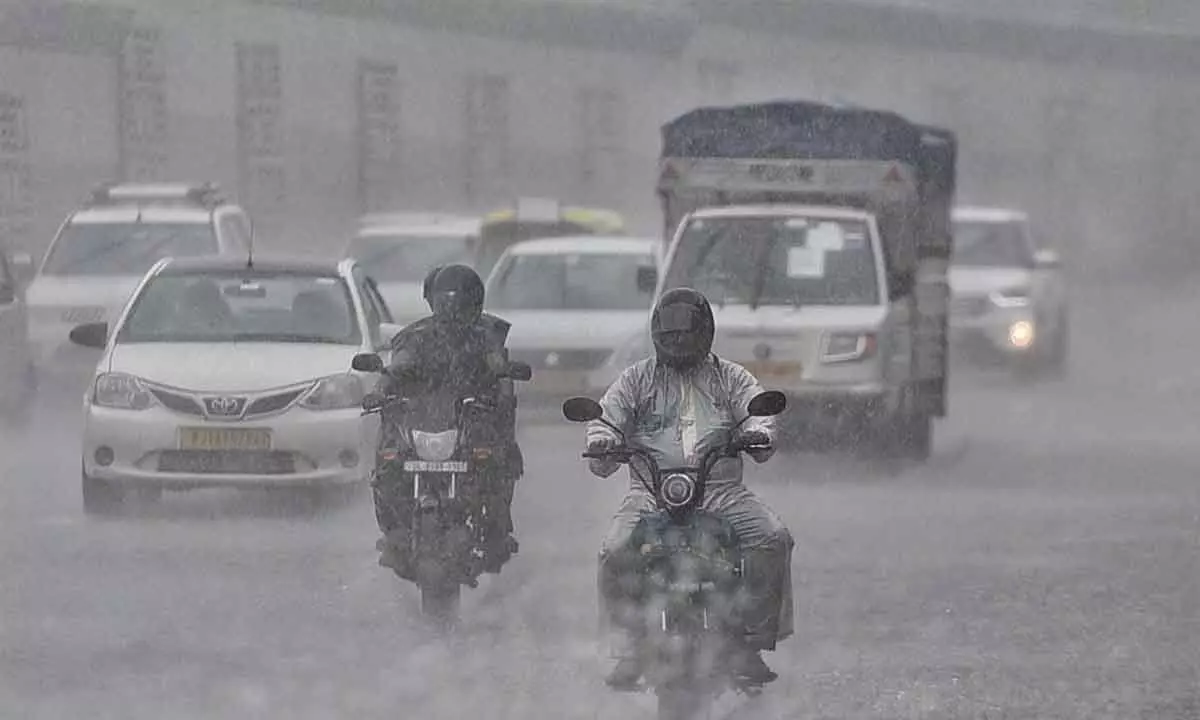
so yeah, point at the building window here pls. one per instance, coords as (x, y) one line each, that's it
(16, 194)
(485, 133)
(378, 135)
(143, 106)
(600, 138)
(260, 126)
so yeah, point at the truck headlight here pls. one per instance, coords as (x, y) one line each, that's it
(121, 391)
(1012, 297)
(335, 392)
(840, 347)
(435, 447)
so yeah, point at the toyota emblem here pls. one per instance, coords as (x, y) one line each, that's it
(224, 406)
(552, 360)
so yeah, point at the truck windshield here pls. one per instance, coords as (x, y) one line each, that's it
(777, 261)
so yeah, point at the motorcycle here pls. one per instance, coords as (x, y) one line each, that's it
(439, 455)
(682, 569)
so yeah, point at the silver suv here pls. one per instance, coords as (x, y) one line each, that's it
(103, 250)
(1010, 300)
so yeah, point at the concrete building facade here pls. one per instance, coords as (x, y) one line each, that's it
(313, 111)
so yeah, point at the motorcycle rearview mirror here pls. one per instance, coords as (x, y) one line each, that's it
(582, 409)
(766, 404)
(519, 371)
(367, 362)
(373, 401)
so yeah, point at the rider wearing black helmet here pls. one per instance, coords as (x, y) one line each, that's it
(675, 405)
(455, 346)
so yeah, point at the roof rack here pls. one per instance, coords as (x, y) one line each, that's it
(205, 195)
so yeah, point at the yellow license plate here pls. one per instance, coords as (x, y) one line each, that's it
(224, 439)
(775, 370)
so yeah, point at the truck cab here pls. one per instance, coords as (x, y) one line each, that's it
(821, 235)
(801, 299)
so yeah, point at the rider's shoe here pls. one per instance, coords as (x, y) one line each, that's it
(625, 675)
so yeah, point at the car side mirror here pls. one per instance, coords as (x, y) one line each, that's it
(90, 335)
(1047, 260)
(367, 362)
(22, 267)
(647, 279)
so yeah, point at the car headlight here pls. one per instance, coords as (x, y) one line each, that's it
(842, 347)
(435, 447)
(336, 392)
(121, 391)
(1010, 297)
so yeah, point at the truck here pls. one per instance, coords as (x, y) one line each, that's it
(822, 236)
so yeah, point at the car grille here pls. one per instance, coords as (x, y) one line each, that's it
(186, 403)
(968, 306)
(561, 359)
(273, 403)
(226, 462)
(178, 403)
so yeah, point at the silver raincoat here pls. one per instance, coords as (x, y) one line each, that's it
(677, 415)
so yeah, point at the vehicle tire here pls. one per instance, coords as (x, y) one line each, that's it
(681, 703)
(440, 604)
(101, 498)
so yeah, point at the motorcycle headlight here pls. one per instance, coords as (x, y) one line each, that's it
(121, 391)
(678, 490)
(435, 447)
(847, 347)
(1010, 297)
(336, 392)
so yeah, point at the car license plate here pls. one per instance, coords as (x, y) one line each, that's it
(191, 438)
(451, 466)
(774, 370)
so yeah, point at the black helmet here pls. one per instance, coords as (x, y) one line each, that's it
(456, 295)
(682, 328)
(427, 285)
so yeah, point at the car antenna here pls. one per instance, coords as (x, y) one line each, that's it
(250, 252)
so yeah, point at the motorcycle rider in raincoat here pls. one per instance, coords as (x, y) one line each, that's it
(450, 349)
(676, 404)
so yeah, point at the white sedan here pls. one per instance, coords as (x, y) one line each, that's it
(221, 374)
(570, 301)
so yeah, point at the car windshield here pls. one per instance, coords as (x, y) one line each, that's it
(125, 248)
(243, 306)
(407, 258)
(571, 281)
(991, 244)
(777, 261)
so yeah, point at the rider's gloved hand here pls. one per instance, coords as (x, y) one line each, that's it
(599, 466)
(757, 445)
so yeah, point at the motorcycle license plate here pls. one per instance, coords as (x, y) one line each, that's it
(449, 466)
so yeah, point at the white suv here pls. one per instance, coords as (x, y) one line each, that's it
(104, 249)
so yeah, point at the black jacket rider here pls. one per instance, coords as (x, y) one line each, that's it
(457, 348)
